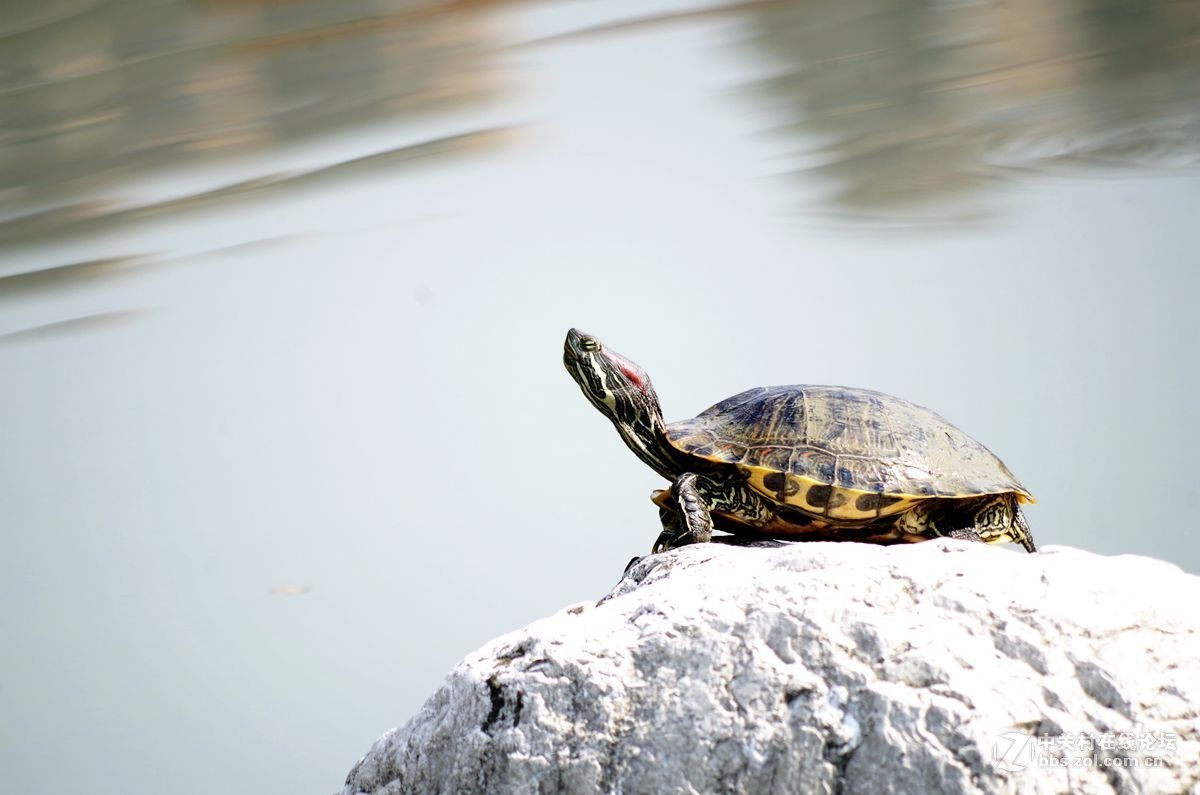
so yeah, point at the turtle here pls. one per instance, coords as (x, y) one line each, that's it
(804, 462)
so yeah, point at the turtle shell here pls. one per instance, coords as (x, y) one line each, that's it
(843, 454)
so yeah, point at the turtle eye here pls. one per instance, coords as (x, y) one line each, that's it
(589, 344)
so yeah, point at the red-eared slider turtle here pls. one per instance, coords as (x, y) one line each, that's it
(813, 462)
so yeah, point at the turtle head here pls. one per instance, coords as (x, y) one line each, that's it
(623, 393)
(615, 385)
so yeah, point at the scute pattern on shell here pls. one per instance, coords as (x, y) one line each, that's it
(849, 438)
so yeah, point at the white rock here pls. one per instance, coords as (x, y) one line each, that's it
(828, 667)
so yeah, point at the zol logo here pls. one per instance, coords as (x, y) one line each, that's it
(1013, 751)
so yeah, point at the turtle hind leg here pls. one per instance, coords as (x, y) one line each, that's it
(685, 517)
(989, 519)
(1020, 530)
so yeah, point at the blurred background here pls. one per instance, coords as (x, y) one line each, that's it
(285, 432)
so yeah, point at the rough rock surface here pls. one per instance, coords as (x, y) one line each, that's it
(829, 667)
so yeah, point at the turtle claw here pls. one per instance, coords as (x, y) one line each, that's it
(670, 538)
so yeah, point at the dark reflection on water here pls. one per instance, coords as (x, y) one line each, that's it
(87, 323)
(899, 104)
(101, 93)
(908, 102)
(93, 217)
(29, 284)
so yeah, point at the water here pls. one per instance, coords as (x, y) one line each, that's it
(284, 287)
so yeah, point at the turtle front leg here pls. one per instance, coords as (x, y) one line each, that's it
(684, 514)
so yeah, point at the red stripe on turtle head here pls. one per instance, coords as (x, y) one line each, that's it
(636, 375)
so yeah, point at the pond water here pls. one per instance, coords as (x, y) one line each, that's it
(284, 285)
